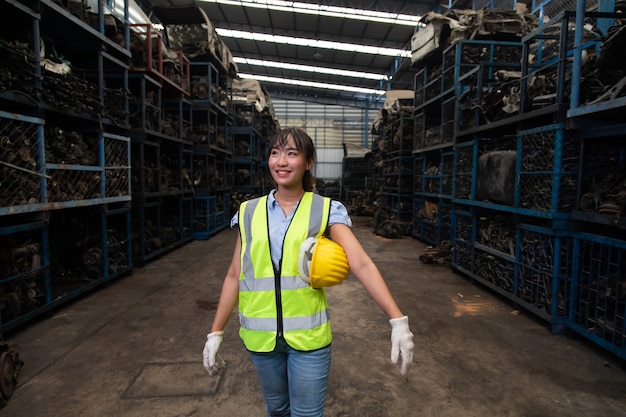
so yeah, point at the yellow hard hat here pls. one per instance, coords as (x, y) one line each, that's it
(322, 262)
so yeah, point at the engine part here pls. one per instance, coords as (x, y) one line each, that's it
(10, 366)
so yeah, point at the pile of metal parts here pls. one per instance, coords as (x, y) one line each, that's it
(190, 31)
(202, 133)
(83, 11)
(603, 77)
(389, 225)
(19, 167)
(61, 88)
(437, 32)
(10, 367)
(149, 105)
(604, 74)
(439, 255)
(172, 125)
(536, 188)
(20, 164)
(394, 127)
(70, 147)
(159, 231)
(20, 259)
(64, 90)
(538, 257)
(202, 89)
(397, 103)
(17, 68)
(604, 181)
(497, 233)
(77, 252)
(149, 53)
(360, 203)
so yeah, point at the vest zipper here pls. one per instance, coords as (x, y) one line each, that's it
(277, 274)
(279, 302)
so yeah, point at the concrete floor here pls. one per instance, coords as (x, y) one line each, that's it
(134, 348)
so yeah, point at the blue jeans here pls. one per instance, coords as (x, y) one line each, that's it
(293, 382)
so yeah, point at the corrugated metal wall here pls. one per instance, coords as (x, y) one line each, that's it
(329, 163)
(330, 127)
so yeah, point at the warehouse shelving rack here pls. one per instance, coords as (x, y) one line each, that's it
(563, 222)
(511, 232)
(66, 155)
(212, 149)
(161, 196)
(394, 170)
(432, 192)
(149, 57)
(597, 304)
(357, 190)
(522, 260)
(162, 149)
(249, 149)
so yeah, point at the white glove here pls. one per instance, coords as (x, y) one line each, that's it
(211, 360)
(401, 342)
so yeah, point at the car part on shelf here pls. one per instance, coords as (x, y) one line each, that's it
(10, 366)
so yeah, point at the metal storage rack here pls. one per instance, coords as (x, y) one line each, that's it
(394, 170)
(212, 150)
(66, 156)
(357, 184)
(597, 305)
(162, 147)
(554, 244)
(444, 162)
(249, 150)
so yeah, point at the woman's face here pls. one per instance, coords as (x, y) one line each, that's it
(287, 165)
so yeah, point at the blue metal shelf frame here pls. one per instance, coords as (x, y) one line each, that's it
(246, 117)
(432, 220)
(34, 281)
(598, 307)
(211, 214)
(526, 263)
(67, 179)
(160, 225)
(205, 80)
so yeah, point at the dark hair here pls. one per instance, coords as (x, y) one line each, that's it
(304, 145)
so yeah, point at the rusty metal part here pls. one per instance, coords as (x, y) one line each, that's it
(437, 255)
(10, 366)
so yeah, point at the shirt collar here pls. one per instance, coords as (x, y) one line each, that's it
(271, 199)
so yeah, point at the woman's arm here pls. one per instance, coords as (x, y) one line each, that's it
(365, 270)
(230, 290)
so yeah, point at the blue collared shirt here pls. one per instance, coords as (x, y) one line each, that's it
(278, 223)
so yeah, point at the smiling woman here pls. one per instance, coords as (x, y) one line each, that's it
(284, 320)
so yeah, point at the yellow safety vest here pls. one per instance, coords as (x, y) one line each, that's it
(279, 303)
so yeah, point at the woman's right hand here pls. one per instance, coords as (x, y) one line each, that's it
(211, 360)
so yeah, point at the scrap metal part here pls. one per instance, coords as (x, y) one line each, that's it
(10, 366)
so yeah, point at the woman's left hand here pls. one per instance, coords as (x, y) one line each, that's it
(401, 342)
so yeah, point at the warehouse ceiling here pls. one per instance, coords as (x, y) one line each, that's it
(235, 16)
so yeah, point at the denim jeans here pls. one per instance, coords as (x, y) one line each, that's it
(293, 382)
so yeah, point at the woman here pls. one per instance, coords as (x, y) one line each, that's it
(284, 322)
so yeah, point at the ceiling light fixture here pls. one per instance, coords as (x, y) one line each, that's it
(314, 43)
(310, 68)
(313, 84)
(324, 10)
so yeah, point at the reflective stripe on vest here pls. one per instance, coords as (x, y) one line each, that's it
(305, 321)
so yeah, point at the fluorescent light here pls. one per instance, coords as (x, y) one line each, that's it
(324, 10)
(312, 84)
(310, 68)
(313, 43)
